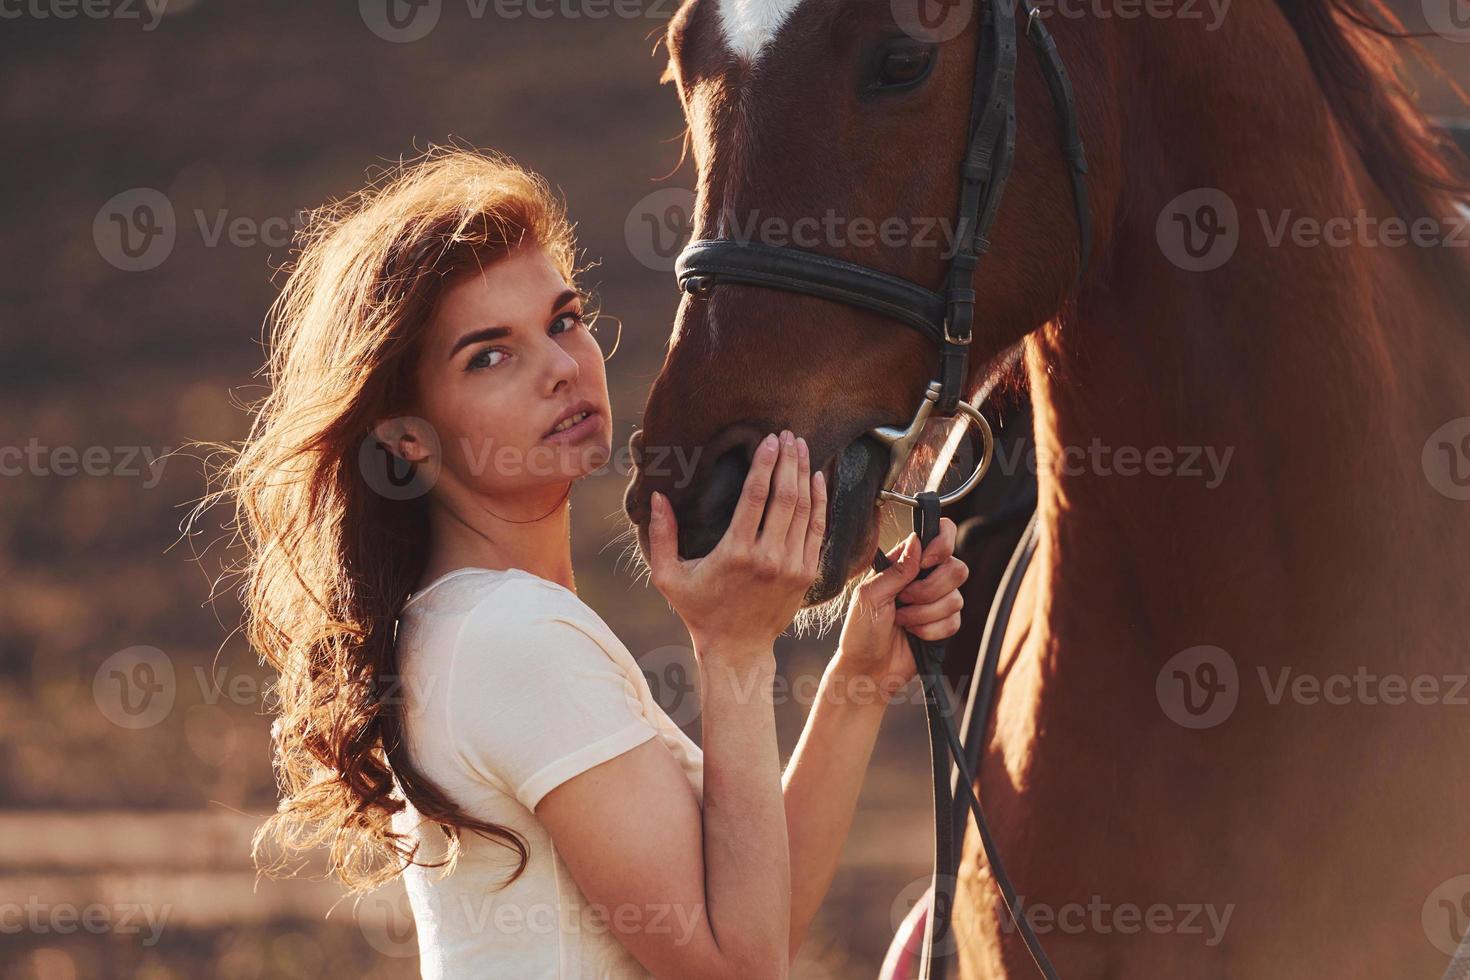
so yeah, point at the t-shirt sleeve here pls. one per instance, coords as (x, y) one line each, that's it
(534, 699)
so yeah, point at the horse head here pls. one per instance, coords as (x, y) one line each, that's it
(839, 128)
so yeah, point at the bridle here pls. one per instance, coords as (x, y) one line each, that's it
(947, 318)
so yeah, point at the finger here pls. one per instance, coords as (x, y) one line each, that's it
(782, 504)
(928, 613)
(946, 578)
(942, 547)
(942, 630)
(817, 529)
(887, 584)
(747, 518)
(663, 538)
(801, 516)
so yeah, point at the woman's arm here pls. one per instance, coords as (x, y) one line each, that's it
(707, 892)
(690, 892)
(873, 662)
(822, 783)
(746, 852)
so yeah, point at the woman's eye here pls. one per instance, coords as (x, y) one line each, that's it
(904, 66)
(484, 358)
(568, 321)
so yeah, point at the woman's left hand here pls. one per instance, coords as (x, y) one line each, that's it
(874, 642)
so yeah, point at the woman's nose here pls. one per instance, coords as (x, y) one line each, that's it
(564, 367)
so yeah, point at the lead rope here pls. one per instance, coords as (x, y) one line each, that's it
(928, 660)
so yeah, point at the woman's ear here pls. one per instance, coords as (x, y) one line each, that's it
(410, 439)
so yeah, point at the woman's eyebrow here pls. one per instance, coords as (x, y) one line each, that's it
(495, 333)
(477, 336)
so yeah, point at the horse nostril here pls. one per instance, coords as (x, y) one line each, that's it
(715, 503)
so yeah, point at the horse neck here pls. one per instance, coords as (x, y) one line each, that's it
(1314, 374)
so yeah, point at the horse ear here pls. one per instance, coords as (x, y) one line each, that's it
(667, 78)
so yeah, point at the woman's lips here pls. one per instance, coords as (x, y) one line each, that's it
(581, 430)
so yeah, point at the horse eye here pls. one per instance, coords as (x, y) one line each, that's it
(904, 66)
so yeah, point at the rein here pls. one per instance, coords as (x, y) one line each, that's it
(953, 760)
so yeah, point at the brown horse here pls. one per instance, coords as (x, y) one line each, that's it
(1231, 733)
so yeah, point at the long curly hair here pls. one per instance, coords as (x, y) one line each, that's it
(329, 562)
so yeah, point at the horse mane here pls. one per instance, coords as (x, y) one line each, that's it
(1353, 47)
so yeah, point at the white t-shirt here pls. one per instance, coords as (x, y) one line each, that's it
(512, 686)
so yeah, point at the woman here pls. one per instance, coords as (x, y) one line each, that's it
(438, 673)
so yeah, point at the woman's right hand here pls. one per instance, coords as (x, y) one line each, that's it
(746, 591)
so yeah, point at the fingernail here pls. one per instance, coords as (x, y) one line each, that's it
(786, 437)
(801, 447)
(658, 502)
(821, 478)
(770, 442)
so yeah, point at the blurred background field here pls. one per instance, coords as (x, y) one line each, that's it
(125, 823)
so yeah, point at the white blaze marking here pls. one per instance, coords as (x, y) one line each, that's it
(749, 25)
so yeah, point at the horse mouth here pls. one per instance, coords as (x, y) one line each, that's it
(855, 477)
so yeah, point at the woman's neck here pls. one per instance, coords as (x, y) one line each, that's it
(531, 532)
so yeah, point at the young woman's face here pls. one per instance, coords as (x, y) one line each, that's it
(505, 358)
